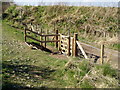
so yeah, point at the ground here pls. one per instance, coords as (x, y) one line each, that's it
(18, 57)
(28, 68)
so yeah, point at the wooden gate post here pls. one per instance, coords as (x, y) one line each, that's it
(41, 37)
(69, 46)
(75, 44)
(59, 47)
(102, 53)
(72, 41)
(47, 32)
(25, 35)
(56, 39)
(45, 41)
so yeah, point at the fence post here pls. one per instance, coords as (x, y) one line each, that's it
(75, 45)
(25, 35)
(56, 39)
(41, 38)
(69, 46)
(72, 40)
(102, 53)
(45, 41)
(59, 47)
(47, 32)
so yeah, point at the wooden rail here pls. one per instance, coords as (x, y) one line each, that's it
(42, 41)
(41, 37)
(41, 34)
(82, 50)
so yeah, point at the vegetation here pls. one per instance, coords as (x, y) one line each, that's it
(24, 67)
(89, 22)
(76, 18)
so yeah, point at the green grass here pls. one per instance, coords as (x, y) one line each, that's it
(25, 67)
(107, 70)
(14, 56)
(86, 85)
(116, 46)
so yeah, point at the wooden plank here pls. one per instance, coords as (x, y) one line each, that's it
(41, 38)
(60, 43)
(45, 42)
(75, 45)
(42, 41)
(68, 46)
(32, 28)
(83, 52)
(51, 35)
(47, 33)
(72, 40)
(51, 41)
(43, 35)
(33, 38)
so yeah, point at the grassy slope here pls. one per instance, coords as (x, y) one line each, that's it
(17, 55)
(99, 18)
(83, 18)
(23, 67)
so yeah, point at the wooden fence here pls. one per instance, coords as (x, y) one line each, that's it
(66, 44)
(43, 38)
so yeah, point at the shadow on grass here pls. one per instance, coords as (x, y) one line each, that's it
(38, 46)
(26, 72)
(14, 86)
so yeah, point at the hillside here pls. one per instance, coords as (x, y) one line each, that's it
(89, 22)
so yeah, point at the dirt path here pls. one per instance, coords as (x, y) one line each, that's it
(111, 56)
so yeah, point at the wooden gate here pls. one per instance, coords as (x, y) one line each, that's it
(64, 44)
(42, 38)
(67, 45)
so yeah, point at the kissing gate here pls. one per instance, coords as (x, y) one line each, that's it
(66, 45)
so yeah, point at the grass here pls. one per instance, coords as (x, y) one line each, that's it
(14, 56)
(107, 70)
(86, 84)
(27, 68)
(116, 46)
